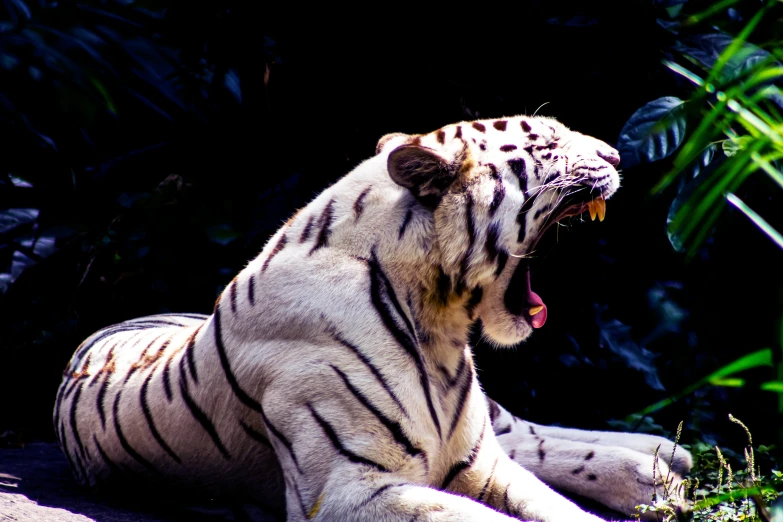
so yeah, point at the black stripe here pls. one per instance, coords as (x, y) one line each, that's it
(590, 169)
(189, 355)
(279, 436)
(148, 322)
(72, 420)
(405, 221)
(233, 295)
(503, 431)
(77, 470)
(57, 405)
(471, 229)
(190, 316)
(135, 366)
(505, 500)
(255, 435)
(241, 394)
(100, 400)
(197, 413)
(307, 230)
(550, 178)
(251, 290)
(464, 391)
(494, 409)
(486, 484)
(502, 260)
(460, 368)
(167, 378)
(541, 211)
(521, 220)
(153, 322)
(71, 385)
(342, 450)
(491, 244)
(391, 425)
(444, 286)
(519, 168)
(114, 467)
(462, 465)
(281, 243)
(379, 283)
(78, 375)
(358, 205)
(497, 197)
(124, 442)
(145, 408)
(375, 371)
(299, 497)
(421, 334)
(104, 334)
(325, 221)
(391, 295)
(109, 360)
(475, 298)
(379, 491)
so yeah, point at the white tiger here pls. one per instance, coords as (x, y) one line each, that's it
(333, 380)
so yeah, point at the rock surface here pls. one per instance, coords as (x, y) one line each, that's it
(36, 484)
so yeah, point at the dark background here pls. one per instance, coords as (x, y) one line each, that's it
(162, 143)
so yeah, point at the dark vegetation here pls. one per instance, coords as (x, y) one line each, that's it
(150, 148)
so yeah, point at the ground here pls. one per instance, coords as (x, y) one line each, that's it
(36, 485)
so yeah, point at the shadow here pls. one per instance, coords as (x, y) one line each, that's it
(36, 484)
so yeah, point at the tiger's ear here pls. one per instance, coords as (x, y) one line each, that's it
(424, 172)
(384, 141)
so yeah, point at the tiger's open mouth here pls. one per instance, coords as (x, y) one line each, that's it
(520, 299)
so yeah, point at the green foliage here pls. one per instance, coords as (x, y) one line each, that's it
(653, 132)
(723, 486)
(736, 105)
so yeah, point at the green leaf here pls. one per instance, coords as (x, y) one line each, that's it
(735, 494)
(756, 359)
(773, 386)
(706, 49)
(685, 73)
(732, 382)
(734, 145)
(653, 132)
(687, 189)
(765, 227)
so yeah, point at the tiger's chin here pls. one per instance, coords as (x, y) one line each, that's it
(505, 311)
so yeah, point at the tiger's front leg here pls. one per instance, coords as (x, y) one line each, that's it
(494, 479)
(353, 458)
(333, 471)
(615, 469)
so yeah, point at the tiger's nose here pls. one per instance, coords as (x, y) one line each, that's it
(611, 156)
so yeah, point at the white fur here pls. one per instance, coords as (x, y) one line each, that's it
(349, 273)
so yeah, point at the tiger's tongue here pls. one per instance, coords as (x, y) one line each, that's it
(536, 309)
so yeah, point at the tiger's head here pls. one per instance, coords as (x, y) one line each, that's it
(494, 187)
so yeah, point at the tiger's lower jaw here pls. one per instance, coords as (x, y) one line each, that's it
(505, 311)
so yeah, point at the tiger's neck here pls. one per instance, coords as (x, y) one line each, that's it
(368, 219)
